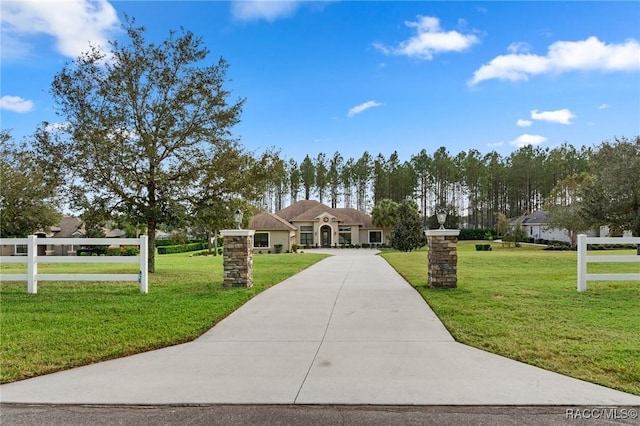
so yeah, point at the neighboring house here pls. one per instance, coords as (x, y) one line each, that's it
(536, 226)
(309, 223)
(69, 227)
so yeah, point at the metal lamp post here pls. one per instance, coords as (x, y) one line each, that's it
(237, 218)
(442, 218)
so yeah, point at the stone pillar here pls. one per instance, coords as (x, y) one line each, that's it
(443, 257)
(238, 257)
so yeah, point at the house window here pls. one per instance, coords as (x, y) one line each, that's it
(21, 249)
(344, 235)
(261, 239)
(375, 237)
(306, 235)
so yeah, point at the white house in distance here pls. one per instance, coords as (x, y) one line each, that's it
(309, 223)
(536, 226)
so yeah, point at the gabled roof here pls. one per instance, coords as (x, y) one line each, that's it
(536, 218)
(356, 217)
(300, 209)
(310, 210)
(69, 227)
(270, 222)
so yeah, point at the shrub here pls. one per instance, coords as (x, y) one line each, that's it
(476, 234)
(129, 251)
(113, 251)
(182, 248)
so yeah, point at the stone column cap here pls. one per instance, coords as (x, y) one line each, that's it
(237, 232)
(442, 232)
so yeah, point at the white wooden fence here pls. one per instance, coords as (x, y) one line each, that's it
(584, 258)
(32, 260)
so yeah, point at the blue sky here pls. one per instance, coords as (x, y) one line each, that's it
(355, 76)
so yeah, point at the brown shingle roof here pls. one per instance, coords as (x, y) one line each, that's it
(296, 209)
(308, 210)
(271, 222)
(356, 217)
(68, 227)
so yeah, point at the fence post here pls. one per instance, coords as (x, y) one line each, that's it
(32, 265)
(144, 265)
(582, 262)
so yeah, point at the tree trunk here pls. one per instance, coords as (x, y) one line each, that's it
(151, 233)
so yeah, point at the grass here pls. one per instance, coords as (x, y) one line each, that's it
(68, 324)
(522, 303)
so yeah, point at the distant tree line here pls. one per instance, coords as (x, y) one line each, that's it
(473, 187)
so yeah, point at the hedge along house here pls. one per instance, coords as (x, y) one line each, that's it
(309, 223)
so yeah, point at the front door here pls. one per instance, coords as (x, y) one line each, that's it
(325, 236)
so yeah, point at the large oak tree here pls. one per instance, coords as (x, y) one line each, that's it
(142, 123)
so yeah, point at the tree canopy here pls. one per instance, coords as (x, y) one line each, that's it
(28, 193)
(565, 206)
(612, 196)
(407, 233)
(143, 122)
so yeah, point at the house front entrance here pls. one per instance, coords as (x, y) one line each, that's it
(325, 236)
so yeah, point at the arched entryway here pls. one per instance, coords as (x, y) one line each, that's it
(325, 236)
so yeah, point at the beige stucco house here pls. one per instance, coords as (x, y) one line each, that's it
(68, 227)
(309, 223)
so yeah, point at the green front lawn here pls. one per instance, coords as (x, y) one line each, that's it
(522, 303)
(68, 324)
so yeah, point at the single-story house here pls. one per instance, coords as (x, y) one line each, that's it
(309, 223)
(69, 227)
(537, 227)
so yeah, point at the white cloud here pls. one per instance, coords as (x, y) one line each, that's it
(519, 47)
(16, 104)
(562, 116)
(524, 123)
(604, 106)
(362, 107)
(429, 40)
(527, 139)
(495, 145)
(269, 10)
(563, 56)
(74, 24)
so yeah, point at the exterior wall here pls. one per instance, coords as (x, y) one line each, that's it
(58, 250)
(281, 237)
(277, 237)
(541, 232)
(355, 235)
(7, 250)
(364, 236)
(300, 224)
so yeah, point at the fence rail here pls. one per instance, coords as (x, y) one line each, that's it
(32, 259)
(584, 259)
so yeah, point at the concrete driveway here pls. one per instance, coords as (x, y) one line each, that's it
(348, 330)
